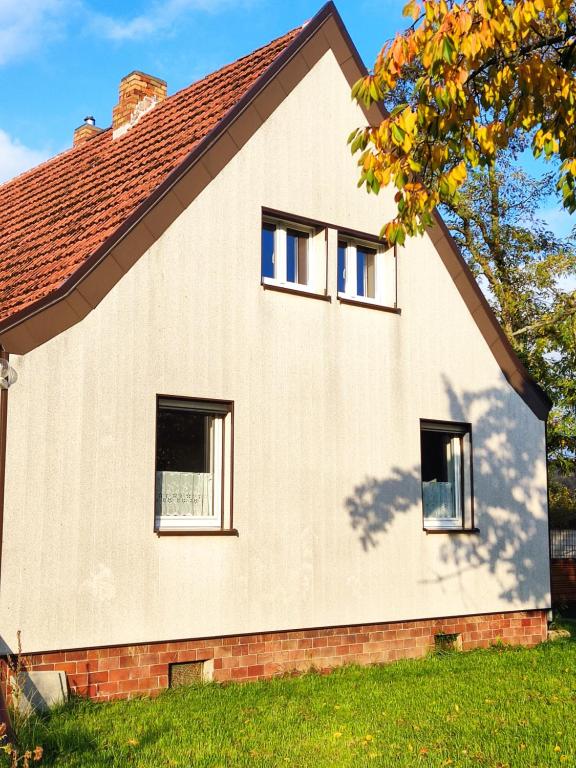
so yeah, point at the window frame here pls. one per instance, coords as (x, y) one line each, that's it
(465, 523)
(285, 224)
(224, 465)
(352, 243)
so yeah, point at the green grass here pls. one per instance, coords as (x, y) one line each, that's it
(501, 707)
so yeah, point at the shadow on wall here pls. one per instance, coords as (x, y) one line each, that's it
(512, 541)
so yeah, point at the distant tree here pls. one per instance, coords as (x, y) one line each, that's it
(563, 502)
(524, 268)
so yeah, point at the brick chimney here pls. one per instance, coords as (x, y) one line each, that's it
(86, 131)
(138, 93)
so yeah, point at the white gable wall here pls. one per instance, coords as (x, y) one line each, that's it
(327, 399)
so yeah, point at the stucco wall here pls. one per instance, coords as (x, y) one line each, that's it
(327, 406)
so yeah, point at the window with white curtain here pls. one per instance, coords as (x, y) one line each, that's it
(446, 454)
(191, 463)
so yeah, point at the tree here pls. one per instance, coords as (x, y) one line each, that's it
(522, 267)
(488, 70)
(519, 263)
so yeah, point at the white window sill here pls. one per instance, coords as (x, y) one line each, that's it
(442, 522)
(365, 301)
(447, 525)
(297, 288)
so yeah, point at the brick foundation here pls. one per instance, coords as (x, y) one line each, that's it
(125, 671)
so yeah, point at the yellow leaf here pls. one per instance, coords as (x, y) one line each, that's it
(412, 9)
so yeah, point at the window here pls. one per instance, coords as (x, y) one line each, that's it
(366, 273)
(193, 458)
(446, 475)
(293, 256)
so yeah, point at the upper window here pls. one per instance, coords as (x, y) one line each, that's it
(366, 273)
(192, 464)
(293, 256)
(446, 475)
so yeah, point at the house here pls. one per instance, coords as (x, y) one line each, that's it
(247, 437)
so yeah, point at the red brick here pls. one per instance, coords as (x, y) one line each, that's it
(239, 673)
(259, 647)
(54, 658)
(123, 673)
(167, 657)
(107, 688)
(98, 677)
(126, 686)
(78, 681)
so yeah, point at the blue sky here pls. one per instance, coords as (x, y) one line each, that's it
(61, 60)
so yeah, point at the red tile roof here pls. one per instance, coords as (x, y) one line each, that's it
(55, 216)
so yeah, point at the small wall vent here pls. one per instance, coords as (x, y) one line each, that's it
(190, 673)
(447, 642)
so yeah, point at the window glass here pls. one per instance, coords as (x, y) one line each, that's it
(341, 267)
(182, 441)
(268, 232)
(296, 257)
(365, 272)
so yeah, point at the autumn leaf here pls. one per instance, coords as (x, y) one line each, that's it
(488, 72)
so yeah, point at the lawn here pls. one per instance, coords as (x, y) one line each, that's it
(502, 707)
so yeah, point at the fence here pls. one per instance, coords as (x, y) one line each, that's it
(563, 544)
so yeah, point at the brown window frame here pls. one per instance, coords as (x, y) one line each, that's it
(453, 429)
(220, 408)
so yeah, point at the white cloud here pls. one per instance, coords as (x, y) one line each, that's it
(15, 157)
(160, 17)
(26, 24)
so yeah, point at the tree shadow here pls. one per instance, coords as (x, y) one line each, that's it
(376, 503)
(509, 505)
